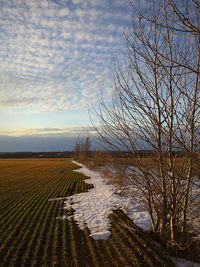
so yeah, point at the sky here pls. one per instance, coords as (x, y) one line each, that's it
(56, 56)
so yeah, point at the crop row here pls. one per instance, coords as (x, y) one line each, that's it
(30, 234)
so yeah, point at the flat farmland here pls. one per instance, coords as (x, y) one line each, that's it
(31, 233)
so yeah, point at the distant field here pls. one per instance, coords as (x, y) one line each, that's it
(30, 234)
(180, 162)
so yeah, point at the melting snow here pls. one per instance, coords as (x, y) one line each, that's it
(57, 198)
(94, 206)
(184, 263)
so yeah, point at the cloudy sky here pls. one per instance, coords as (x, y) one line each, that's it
(56, 56)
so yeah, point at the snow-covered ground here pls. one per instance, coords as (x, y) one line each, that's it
(184, 263)
(94, 206)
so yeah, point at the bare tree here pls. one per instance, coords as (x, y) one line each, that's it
(183, 18)
(77, 148)
(86, 145)
(187, 18)
(82, 148)
(155, 106)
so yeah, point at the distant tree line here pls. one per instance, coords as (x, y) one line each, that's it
(63, 154)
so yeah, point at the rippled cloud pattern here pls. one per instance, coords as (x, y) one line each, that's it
(58, 55)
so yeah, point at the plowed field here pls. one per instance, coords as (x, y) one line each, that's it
(32, 235)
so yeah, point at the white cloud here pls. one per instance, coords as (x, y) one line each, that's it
(77, 1)
(49, 12)
(64, 12)
(56, 56)
(43, 131)
(44, 3)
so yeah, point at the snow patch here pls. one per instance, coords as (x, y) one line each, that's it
(101, 235)
(57, 198)
(184, 263)
(94, 206)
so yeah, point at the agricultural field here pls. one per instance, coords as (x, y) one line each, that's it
(32, 235)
